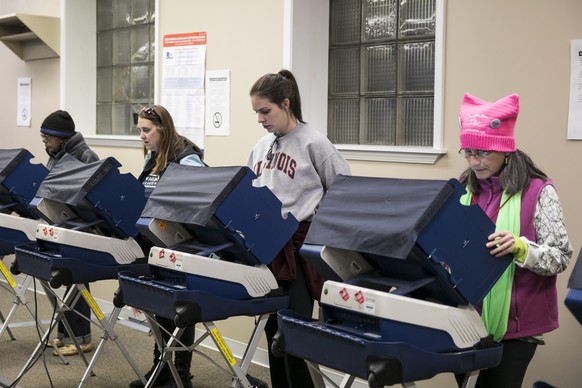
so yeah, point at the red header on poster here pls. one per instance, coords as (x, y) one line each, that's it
(187, 39)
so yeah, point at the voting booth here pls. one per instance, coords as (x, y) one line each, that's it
(213, 234)
(87, 233)
(406, 263)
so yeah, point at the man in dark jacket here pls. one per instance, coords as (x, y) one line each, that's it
(59, 138)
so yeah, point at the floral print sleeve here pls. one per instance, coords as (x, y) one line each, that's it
(552, 252)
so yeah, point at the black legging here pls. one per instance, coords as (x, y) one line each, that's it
(511, 371)
(291, 371)
(182, 358)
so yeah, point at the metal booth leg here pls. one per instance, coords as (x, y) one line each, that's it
(108, 334)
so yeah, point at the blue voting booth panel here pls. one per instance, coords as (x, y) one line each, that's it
(574, 298)
(19, 181)
(106, 205)
(574, 303)
(119, 198)
(9, 238)
(221, 207)
(97, 193)
(255, 213)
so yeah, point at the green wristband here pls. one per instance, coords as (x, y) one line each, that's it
(519, 250)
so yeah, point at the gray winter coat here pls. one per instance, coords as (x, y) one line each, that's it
(75, 146)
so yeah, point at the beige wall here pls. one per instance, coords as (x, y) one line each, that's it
(493, 48)
(243, 37)
(45, 99)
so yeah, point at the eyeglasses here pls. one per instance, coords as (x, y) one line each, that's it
(468, 152)
(150, 112)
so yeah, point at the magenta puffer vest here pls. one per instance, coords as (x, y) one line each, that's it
(534, 298)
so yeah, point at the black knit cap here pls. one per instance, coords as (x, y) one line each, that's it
(59, 123)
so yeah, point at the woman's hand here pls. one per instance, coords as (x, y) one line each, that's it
(502, 243)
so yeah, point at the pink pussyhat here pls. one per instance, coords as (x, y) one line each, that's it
(488, 126)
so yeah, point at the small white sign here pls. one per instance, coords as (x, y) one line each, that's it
(23, 114)
(217, 103)
(575, 111)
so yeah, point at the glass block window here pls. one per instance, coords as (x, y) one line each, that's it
(125, 63)
(382, 72)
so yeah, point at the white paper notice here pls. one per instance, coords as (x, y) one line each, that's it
(184, 61)
(217, 103)
(575, 112)
(23, 114)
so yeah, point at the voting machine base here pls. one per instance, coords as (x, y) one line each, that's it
(50, 266)
(378, 362)
(188, 307)
(406, 263)
(214, 234)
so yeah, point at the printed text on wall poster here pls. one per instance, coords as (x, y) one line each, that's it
(184, 62)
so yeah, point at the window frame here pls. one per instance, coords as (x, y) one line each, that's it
(79, 67)
(125, 81)
(315, 106)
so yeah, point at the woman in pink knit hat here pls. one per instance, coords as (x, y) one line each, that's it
(524, 205)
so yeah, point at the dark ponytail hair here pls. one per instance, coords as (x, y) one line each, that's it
(278, 87)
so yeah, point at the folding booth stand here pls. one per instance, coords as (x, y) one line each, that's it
(89, 213)
(406, 263)
(214, 235)
(19, 181)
